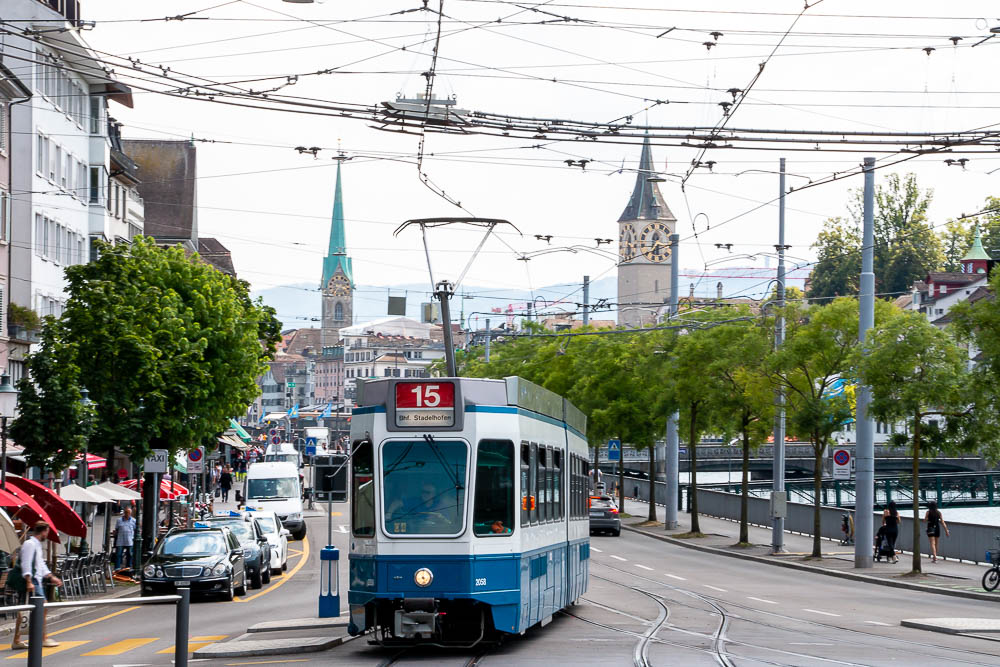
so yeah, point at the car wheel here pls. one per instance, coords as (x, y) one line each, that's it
(255, 579)
(229, 593)
(300, 534)
(617, 533)
(242, 589)
(265, 575)
(284, 566)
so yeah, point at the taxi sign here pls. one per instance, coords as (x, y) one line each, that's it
(425, 404)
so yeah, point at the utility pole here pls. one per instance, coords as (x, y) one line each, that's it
(864, 452)
(778, 504)
(489, 335)
(444, 290)
(672, 458)
(586, 300)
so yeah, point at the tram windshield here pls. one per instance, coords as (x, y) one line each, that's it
(424, 487)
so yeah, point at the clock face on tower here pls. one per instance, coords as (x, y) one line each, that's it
(340, 285)
(654, 242)
(626, 242)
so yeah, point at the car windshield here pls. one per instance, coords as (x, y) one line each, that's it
(274, 487)
(424, 487)
(267, 524)
(288, 458)
(193, 544)
(241, 529)
(601, 503)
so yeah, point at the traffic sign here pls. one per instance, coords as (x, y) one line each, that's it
(276, 440)
(614, 450)
(156, 461)
(841, 464)
(310, 450)
(273, 432)
(196, 460)
(291, 385)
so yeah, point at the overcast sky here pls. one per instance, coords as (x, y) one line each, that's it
(839, 69)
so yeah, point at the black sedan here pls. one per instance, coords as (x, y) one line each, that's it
(256, 548)
(604, 516)
(205, 560)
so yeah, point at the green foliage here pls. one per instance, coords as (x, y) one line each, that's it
(838, 251)
(956, 239)
(168, 347)
(23, 317)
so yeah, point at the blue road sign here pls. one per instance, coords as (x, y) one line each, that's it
(310, 450)
(614, 450)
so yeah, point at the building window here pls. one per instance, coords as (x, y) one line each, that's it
(338, 311)
(3, 127)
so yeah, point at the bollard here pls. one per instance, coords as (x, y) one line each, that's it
(36, 630)
(181, 629)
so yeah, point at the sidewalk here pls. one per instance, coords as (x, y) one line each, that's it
(944, 577)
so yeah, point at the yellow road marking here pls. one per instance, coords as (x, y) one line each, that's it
(291, 573)
(96, 620)
(195, 643)
(63, 646)
(124, 645)
(336, 514)
(265, 662)
(294, 552)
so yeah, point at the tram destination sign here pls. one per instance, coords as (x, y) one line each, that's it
(425, 404)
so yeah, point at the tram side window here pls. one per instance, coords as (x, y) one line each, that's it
(363, 489)
(525, 485)
(572, 486)
(550, 478)
(533, 485)
(543, 473)
(557, 485)
(494, 510)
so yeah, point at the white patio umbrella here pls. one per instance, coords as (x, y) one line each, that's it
(115, 491)
(78, 494)
(9, 540)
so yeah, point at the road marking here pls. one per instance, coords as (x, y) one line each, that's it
(96, 620)
(643, 567)
(716, 588)
(808, 644)
(342, 528)
(674, 576)
(595, 549)
(285, 579)
(877, 623)
(750, 597)
(817, 611)
(46, 652)
(195, 643)
(619, 558)
(331, 514)
(124, 645)
(266, 662)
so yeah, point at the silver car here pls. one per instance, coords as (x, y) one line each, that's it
(604, 516)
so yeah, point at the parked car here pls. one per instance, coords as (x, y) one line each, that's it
(604, 515)
(208, 560)
(256, 548)
(277, 536)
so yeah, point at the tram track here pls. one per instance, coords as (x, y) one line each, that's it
(412, 652)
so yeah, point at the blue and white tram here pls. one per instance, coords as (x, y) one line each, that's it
(468, 509)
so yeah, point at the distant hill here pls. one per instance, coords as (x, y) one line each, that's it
(299, 305)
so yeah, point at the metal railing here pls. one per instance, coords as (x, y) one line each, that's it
(36, 620)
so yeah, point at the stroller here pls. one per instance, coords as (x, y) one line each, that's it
(847, 528)
(882, 549)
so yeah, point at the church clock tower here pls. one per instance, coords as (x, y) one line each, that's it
(337, 285)
(644, 230)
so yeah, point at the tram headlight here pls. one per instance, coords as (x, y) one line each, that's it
(423, 577)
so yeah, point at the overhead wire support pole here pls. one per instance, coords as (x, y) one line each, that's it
(778, 470)
(672, 457)
(864, 454)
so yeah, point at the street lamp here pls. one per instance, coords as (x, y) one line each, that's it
(8, 405)
(83, 473)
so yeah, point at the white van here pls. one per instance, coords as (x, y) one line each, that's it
(274, 486)
(284, 451)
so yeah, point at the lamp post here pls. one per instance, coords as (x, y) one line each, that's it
(8, 406)
(83, 471)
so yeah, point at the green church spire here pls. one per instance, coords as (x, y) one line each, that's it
(336, 256)
(977, 251)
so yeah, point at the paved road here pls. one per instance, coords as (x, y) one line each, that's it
(649, 603)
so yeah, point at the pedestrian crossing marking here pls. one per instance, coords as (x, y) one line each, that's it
(195, 643)
(63, 646)
(123, 646)
(294, 552)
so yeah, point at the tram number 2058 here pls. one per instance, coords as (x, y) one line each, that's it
(481, 581)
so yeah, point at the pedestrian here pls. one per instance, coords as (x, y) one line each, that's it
(35, 575)
(890, 519)
(124, 538)
(225, 483)
(243, 469)
(935, 522)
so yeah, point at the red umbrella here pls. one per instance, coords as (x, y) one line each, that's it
(165, 492)
(28, 511)
(64, 519)
(94, 462)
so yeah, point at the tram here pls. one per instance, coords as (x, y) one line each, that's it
(468, 509)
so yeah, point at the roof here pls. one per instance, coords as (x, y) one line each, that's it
(977, 251)
(336, 257)
(212, 251)
(646, 202)
(390, 326)
(953, 277)
(10, 85)
(302, 339)
(168, 170)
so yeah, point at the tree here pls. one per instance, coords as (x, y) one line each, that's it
(915, 371)
(168, 347)
(744, 406)
(956, 239)
(989, 223)
(817, 352)
(838, 250)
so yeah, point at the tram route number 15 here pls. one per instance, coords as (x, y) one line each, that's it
(425, 395)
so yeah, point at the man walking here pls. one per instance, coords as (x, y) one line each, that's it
(36, 573)
(225, 483)
(124, 538)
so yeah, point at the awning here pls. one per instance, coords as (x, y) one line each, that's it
(75, 493)
(116, 491)
(233, 441)
(165, 491)
(94, 462)
(64, 519)
(240, 432)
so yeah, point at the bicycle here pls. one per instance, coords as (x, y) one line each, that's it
(991, 579)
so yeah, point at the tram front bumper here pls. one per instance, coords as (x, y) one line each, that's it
(416, 619)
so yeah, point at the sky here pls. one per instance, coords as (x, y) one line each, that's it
(839, 66)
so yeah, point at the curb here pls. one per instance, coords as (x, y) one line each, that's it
(55, 617)
(269, 647)
(970, 595)
(298, 624)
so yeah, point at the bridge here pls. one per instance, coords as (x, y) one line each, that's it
(799, 461)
